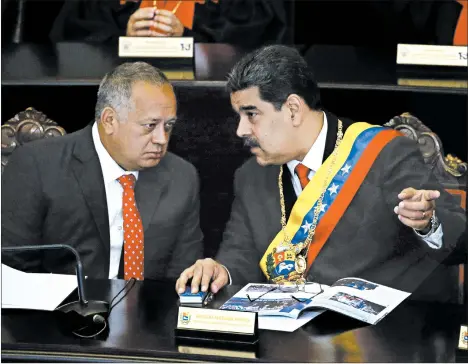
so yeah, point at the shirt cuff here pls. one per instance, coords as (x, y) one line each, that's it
(433, 240)
(229, 274)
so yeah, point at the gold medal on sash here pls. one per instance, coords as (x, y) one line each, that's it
(301, 264)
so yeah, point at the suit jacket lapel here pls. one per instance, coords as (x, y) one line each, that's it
(150, 185)
(288, 190)
(332, 133)
(88, 173)
(272, 197)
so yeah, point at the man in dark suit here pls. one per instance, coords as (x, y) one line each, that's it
(110, 190)
(324, 198)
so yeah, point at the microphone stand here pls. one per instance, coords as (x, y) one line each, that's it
(81, 310)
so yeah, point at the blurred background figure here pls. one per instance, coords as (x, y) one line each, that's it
(164, 21)
(380, 23)
(247, 22)
(461, 31)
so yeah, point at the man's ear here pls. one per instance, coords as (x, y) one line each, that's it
(108, 119)
(295, 108)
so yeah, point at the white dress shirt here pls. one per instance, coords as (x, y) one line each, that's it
(313, 161)
(114, 191)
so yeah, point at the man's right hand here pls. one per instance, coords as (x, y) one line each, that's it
(202, 272)
(141, 23)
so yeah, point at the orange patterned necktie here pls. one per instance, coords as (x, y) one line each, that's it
(303, 173)
(133, 231)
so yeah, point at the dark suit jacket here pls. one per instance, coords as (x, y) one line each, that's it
(53, 193)
(368, 242)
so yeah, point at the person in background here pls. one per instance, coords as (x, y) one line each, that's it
(381, 24)
(244, 22)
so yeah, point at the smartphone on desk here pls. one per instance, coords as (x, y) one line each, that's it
(198, 299)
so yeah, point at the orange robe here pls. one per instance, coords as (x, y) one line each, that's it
(185, 10)
(461, 32)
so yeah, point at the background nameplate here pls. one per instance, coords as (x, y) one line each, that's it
(463, 340)
(432, 55)
(156, 47)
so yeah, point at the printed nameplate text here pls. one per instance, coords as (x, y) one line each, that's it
(221, 321)
(432, 55)
(156, 47)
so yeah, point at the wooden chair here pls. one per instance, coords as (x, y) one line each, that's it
(451, 172)
(25, 127)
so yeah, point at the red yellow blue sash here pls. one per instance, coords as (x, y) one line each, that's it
(358, 150)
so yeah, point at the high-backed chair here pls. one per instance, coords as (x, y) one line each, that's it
(451, 172)
(25, 127)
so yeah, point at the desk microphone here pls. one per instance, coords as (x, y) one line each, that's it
(81, 312)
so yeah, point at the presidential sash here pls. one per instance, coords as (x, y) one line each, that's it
(358, 150)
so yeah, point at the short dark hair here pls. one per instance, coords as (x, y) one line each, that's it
(115, 89)
(278, 71)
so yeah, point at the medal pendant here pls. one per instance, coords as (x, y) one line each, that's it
(301, 264)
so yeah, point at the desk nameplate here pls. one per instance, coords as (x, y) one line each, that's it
(217, 325)
(156, 47)
(432, 55)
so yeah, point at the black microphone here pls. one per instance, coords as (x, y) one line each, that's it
(81, 312)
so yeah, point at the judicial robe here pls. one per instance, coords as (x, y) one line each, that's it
(246, 22)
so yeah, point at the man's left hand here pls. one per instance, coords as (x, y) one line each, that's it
(416, 207)
(167, 24)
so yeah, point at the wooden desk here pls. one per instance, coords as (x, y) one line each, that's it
(142, 328)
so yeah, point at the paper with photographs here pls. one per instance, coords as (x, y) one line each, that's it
(363, 300)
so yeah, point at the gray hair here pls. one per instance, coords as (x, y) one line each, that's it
(115, 89)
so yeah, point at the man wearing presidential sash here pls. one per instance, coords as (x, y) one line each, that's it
(324, 197)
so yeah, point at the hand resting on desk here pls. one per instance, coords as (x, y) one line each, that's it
(202, 272)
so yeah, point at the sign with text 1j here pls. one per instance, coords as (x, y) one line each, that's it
(156, 47)
(432, 55)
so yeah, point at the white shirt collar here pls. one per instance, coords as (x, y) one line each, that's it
(110, 169)
(314, 157)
